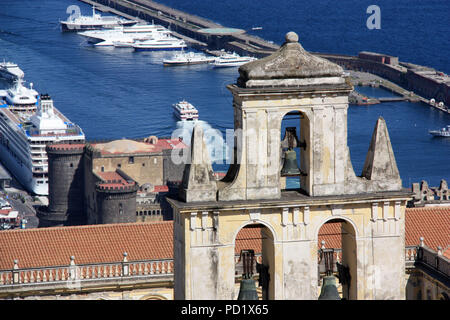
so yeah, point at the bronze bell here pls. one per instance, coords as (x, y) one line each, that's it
(290, 167)
(247, 291)
(329, 290)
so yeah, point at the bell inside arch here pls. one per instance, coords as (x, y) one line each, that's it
(290, 141)
(247, 290)
(329, 289)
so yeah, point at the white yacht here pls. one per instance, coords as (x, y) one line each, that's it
(96, 21)
(444, 132)
(123, 36)
(187, 58)
(184, 110)
(231, 60)
(10, 71)
(19, 97)
(161, 43)
(24, 133)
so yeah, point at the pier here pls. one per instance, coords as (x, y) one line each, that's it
(411, 82)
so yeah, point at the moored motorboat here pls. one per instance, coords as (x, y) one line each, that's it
(444, 132)
(231, 60)
(187, 58)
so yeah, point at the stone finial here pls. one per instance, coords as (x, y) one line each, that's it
(291, 62)
(291, 37)
(380, 164)
(422, 242)
(323, 244)
(16, 264)
(125, 259)
(439, 251)
(72, 260)
(199, 183)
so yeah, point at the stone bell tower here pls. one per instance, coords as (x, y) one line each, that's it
(209, 213)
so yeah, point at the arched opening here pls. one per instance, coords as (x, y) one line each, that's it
(258, 238)
(337, 256)
(294, 159)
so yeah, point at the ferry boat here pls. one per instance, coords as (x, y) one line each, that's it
(25, 130)
(231, 60)
(96, 21)
(187, 58)
(162, 43)
(124, 35)
(444, 132)
(10, 71)
(184, 110)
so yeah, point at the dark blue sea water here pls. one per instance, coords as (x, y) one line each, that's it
(115, 93)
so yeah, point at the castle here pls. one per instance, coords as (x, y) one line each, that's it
(112, 182)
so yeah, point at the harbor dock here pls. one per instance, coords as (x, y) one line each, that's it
(410, 82)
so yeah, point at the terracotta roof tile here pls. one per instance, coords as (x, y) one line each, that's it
(89, 244)
(431, 223)
(142, 241)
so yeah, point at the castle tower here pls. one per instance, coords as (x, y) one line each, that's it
(370, 207)
(65, 175)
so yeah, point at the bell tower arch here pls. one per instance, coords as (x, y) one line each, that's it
(208, 213)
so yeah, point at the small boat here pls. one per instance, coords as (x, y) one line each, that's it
(187, 58)
(231, 60)
(161, 43)
(96, 21)
(10, 71)
(184, 110)
(444, 132)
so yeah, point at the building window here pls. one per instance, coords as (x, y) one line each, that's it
(130, 159)
(120, 209)
(119, 165)
(155, 161)
(71, 165)
(102, 169)
(143, 164)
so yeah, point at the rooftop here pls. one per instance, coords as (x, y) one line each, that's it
(127, 146)
(152, 241)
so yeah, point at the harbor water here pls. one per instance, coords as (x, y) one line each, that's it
(117, 93)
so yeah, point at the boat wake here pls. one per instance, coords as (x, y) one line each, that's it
(217, 146)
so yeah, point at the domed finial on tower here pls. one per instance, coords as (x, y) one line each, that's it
(291, 37)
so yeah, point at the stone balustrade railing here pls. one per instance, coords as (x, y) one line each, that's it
(80, 273)
(434, 259)
(84, 272)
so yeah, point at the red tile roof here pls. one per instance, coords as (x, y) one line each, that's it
(431, 223)
(151, 241)
(89, 244)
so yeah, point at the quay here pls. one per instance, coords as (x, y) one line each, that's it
(409, 81)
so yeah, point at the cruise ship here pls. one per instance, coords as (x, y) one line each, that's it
(124, 36)
(10, 71)
(96, 21)
(161, 43)
(231, 60)
(187, 58)
(25, 130)
(183, 110)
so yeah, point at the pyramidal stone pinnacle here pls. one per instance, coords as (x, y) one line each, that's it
(380, 162)
(198, 182)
